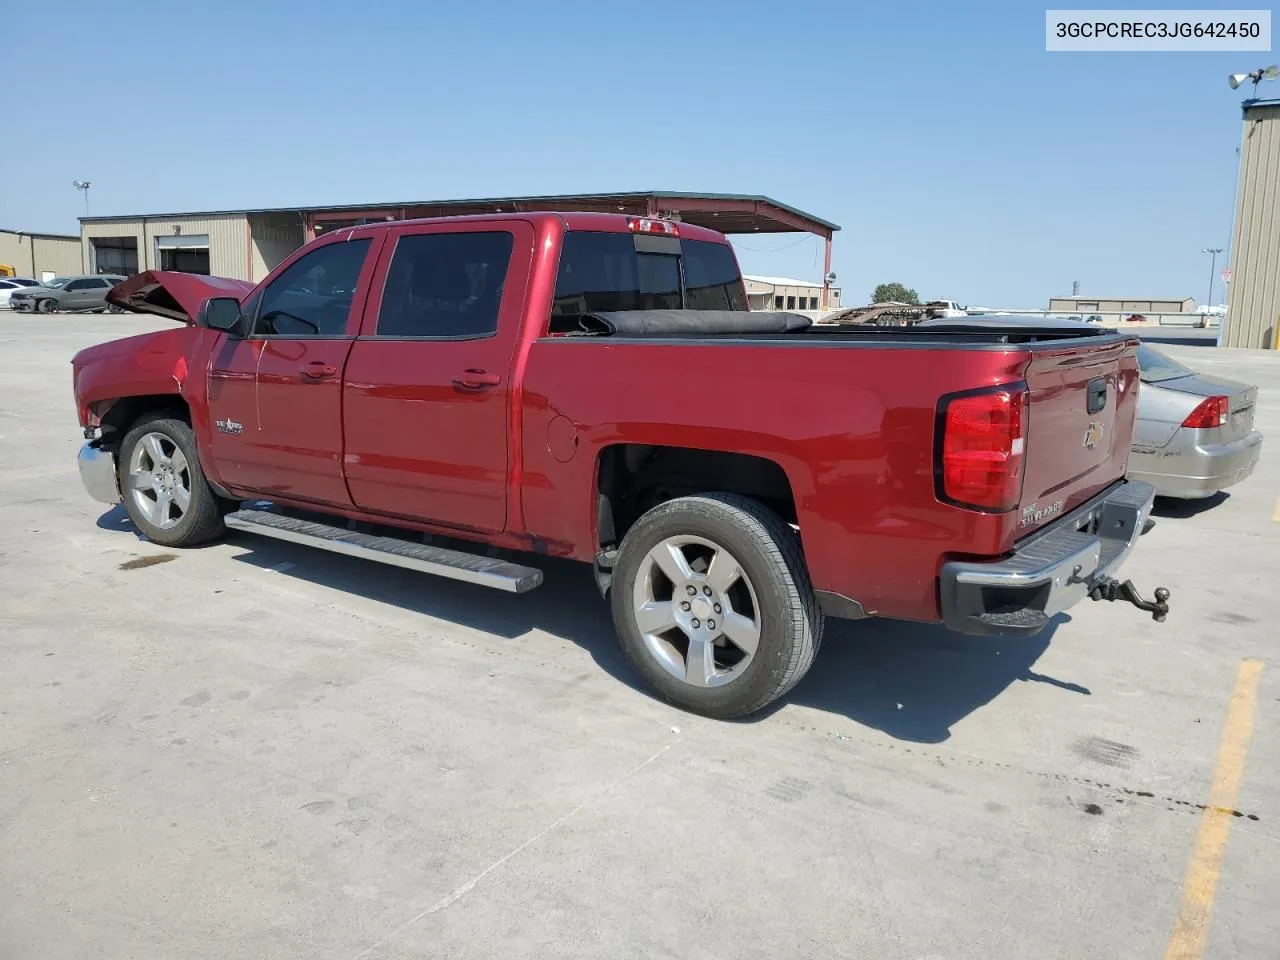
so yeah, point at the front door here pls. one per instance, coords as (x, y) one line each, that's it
(427, 385)
(288, 443)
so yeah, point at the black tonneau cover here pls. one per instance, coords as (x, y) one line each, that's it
(662, 323)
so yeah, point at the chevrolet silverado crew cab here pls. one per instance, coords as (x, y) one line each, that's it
(462, 396)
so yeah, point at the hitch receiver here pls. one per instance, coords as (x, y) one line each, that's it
(1109, 588)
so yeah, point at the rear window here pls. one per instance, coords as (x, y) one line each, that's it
(1154, 366)
(603, 272)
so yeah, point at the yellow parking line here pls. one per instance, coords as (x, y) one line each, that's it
(1191, 928)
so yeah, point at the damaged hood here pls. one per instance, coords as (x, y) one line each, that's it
(177, 296)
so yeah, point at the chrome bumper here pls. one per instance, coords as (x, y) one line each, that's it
(98, 472)
(1051, 570)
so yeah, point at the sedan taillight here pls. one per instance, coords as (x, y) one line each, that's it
(1211, 412)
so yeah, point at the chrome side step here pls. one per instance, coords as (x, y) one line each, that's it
(454, 564)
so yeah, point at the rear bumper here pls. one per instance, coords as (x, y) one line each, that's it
(1048, 572)
(98, 473)
(1197, 469)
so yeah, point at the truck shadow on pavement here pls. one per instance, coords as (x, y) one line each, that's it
(912, 681)
(1172, 508)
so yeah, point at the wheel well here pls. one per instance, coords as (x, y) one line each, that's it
(633, 478)
(126, 411)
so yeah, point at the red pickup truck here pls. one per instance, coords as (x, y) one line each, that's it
(592, 386)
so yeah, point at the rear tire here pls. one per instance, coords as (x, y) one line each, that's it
(163, 484)
(698, 583)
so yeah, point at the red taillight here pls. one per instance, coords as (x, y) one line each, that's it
(983, 448)
(1212, 412)
(645, 225)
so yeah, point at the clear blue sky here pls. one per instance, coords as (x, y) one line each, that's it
(959, 157)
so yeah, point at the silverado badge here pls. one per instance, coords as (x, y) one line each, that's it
(1092, 434)
(229, 426)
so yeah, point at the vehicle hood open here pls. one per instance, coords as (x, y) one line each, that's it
(177, 296)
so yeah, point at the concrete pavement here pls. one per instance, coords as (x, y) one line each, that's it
(253, 749)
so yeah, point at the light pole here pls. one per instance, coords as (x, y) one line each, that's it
(1213, 262)
(83, 185)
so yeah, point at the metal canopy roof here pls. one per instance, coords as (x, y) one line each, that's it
(727, 213)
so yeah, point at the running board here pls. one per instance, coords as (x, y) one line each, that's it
(454, 564)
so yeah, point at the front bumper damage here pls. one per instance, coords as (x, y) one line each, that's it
(1054, 569)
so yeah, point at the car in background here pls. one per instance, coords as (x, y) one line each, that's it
(1135, 318)
(1093, 318)
(1194, 434)
(83, 293)
(9, 284)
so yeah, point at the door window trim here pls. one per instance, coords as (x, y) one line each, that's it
(516, 271)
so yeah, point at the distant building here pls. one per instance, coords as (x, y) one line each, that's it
(1124, 305)
(1253, 315)
(787, 293)
(36, 254)
(249, 244)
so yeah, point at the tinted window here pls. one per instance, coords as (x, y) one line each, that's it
(76, 285)
(312, 298)
(96, 283)
(603, 272)
(445, 285)
(711, 278)
(6, 285)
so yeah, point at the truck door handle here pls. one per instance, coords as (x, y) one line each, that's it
(318, 370)
(474, 379)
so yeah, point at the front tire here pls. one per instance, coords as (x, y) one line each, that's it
(713, 605)
(46, 306)
(164, 489)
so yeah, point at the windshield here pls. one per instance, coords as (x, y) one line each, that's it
(58, 282)
(1155, 366)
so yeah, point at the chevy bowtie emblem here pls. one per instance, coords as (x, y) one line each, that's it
(1092, 434)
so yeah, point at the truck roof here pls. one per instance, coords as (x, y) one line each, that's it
(580, 220)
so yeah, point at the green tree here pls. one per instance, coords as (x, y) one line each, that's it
(896, 292)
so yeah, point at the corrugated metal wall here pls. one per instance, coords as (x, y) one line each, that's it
(58, 255)
(1253, 315)
(274, 237)
(228, 239)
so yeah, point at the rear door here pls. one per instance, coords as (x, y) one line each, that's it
(1080, 426)
(426, 398)
(83, 294)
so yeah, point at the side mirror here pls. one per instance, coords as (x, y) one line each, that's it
(223, 313)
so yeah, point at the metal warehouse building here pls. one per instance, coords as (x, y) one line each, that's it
(38, 255)
(1253, 310)
(248, 244)
(787, 293)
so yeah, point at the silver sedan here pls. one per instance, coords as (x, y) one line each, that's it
(1194, 435)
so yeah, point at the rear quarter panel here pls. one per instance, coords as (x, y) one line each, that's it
(851, 426)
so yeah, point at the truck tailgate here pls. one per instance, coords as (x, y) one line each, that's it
(1083, 403)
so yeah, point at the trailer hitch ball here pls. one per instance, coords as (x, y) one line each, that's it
(1111, 589)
